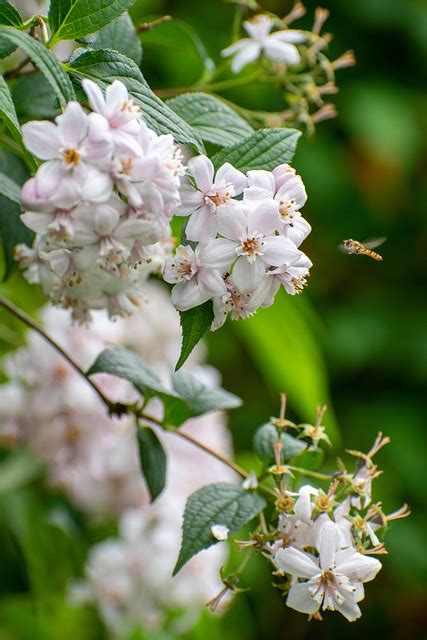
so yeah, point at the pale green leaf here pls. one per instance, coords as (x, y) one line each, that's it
(120, 35)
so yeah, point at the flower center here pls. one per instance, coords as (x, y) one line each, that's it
(220, 198)
(327, 579)
(252, 246)
(130, 107)
(126, 165)
(323, 503)
(71, 156)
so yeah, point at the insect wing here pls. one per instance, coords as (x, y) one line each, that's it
(373, 243)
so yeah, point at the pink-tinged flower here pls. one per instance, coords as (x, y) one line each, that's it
(333, 581)
(292, 276)
(120, 111)
(287, 189)
(210, 197)
(278, 46)
(238, 304)
(76, 144)
(251, 239)
(197, 274)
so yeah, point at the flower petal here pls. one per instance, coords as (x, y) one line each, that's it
(232, 220)
(262, 179)
(281, 51)
(264, 218)
(357, 566)
(289, 35)
(297, 563)
(94, 95)
(202, 170)
(248, 275)
(42, 139)
(73, 125)
(300, 599)
(187, 295)
(279, 251)
(327, 543)
(246, 55)
(201, 225)
(191, 200)
(228, 174)
(211, 283)
(349, 608)
(217, 254)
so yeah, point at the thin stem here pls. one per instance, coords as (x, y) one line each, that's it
(147, 26)
(215, 454)
(313, 474)
(26, 319)
(211, 87)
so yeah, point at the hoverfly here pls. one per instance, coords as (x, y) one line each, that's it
(363, 248)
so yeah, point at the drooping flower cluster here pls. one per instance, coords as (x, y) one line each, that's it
(277, 46)
(311, 78)
(93, 458)
(324, 541)
(245, 233)
(100, 203)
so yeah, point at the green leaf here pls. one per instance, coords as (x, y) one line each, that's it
(17, 470)
(120, 35)
(43, 59)
(9, 15)
(12, 230)
(294, 450)
(33, 98)
(194, 324)
(283, 342)
(104, 66)
(200, 397)
(8, 115)
(72, 19)
(211, 118)
(153, 461)
(192, 398)
(312, 458)
(265, 149)
(221, 503)
(125, 364)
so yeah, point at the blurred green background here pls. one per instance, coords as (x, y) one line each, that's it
(357, 338)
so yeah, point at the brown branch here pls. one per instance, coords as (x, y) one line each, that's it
(147, 26)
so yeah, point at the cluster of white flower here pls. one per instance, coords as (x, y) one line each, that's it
(244, 248)
(93, 458)
(100, 204)
(324, 542)
(278, 46)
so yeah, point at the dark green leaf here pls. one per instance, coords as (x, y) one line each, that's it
(211, 118)
(72, 19)
(12, 230)
(265, 149)
(46, 61)
(9, 15)
(153, 461)
(33, 98)
(194, 324)
(221, 503)
(200, 397)
(105, 66)
(120, 35)
(311, 458)
(8, 115)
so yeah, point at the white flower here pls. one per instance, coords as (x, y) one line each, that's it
(277, 46)
(333, 581)
(239, 304)
(197, 274)
(210, 198)
(287, 189)
(220, 532)
(250, 237)
(118, 109)
(74, 145)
